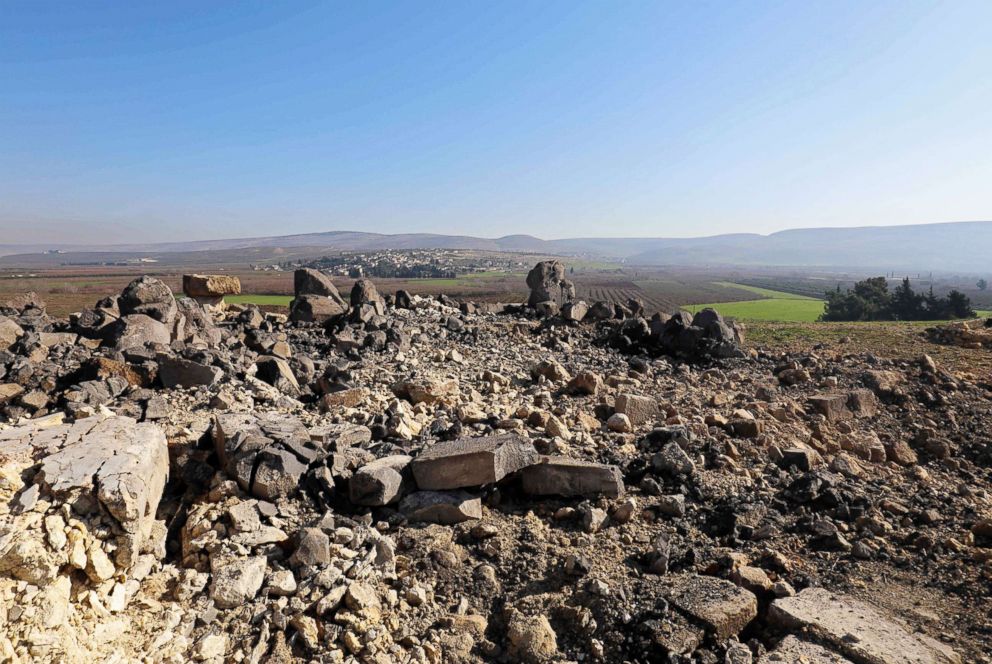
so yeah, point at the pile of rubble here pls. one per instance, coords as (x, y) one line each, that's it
(966, 334)
(408, 479)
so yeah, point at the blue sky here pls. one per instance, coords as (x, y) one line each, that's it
(175, 120)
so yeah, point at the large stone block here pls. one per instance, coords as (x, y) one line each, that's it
(562, 476)
(472, 461)
(210, 285)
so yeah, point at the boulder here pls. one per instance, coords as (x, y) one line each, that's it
(309, 308)
(791, 651)
(113, 462)
(547, 283)
(150, 297)
(179, 372)
(139, 331)
(307, 281)
(365, 292)
(10, 332)
(637, 408)
(472, 461)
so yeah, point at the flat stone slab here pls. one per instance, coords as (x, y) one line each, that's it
(720, 605)
(211, 285)
(791, 650)
(561, 476)
(857, 630)
(472, 461)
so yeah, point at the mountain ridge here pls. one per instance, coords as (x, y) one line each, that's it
(960, 246)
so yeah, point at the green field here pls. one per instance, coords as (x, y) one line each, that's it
(772, 306)
(248, 298)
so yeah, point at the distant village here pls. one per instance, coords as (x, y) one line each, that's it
(404, 264)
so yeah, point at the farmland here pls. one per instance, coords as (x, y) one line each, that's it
(769, 305)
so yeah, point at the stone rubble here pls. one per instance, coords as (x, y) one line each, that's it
(394, 478)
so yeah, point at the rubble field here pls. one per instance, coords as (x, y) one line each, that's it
(395, 478)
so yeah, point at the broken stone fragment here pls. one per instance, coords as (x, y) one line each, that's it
(857, 630)
(791, 651)
(571, 477)
(638, 409)
(235, 580)
(472, 461)
(277, 475)
(379, 483)
(444, 507)
(179, 372)
(276, 372)
(722, 606)
(138, 331)
(426, 391)
(123, 464)
(313, 548)
(832, 406)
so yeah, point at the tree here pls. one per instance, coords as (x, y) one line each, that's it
(905, 303)
(982, 284)
(959, 306)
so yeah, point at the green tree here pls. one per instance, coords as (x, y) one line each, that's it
(982, 284)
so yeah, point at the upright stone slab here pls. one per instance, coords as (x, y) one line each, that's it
(562, 476)
(857, 630)
(472, 461)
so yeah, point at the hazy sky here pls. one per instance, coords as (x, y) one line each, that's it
(173, 120)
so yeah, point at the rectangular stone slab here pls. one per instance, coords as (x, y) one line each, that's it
(472, 461)
(858, 630)
(719, 604)
(792, 650)
(561, 476)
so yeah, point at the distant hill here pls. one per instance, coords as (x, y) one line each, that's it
(946, 247)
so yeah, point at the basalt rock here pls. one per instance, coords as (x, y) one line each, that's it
(547, 283)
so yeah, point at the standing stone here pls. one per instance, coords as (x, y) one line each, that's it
(547, 283)
(307, 281)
